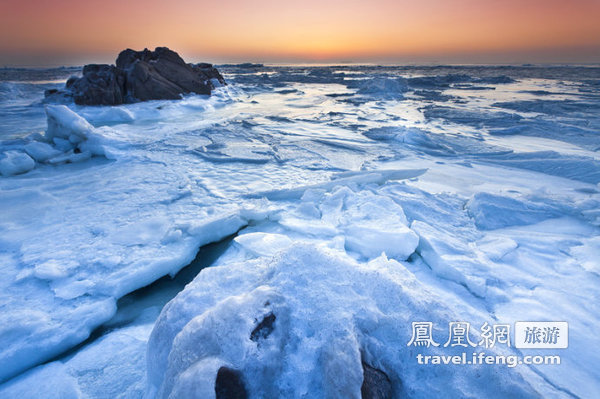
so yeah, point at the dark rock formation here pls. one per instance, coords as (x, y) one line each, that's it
(208, 71)
(264, 328)
(376, 384)
(99, 85)
(140, 76)
(229, 384)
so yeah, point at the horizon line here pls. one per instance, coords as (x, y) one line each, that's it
(333, 63)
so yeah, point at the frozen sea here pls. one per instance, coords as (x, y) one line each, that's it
(293, 226)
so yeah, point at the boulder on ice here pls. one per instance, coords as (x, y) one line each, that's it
(140, 76)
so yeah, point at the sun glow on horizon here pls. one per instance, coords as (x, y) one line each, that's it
(324, 30)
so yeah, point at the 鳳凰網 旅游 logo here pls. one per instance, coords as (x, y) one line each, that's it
(525, 334)
(522, 335)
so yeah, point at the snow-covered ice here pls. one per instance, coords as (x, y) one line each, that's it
(355, 200)
(330, 315)
(15, 162)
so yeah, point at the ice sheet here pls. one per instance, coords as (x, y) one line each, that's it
(477, 185)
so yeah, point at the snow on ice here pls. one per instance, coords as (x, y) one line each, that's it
(353, 200)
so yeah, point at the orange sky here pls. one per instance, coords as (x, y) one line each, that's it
(79, 31)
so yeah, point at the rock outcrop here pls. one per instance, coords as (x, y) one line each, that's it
(229, 384)
(376, 384)
(99, 85)
(140, 76)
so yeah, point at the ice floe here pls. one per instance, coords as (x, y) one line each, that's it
(362, 198)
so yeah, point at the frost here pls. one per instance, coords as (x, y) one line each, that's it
(346, 202)
(15, 163)
(330, 312)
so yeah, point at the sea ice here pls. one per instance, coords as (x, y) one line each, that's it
(331, 314)
(15, 163)
(362, 199)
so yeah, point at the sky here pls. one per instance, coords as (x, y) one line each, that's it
(73, 32)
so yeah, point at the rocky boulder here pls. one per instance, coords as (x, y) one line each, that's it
(140, 76)
(229, 384)
(100, 85)
(376, 384)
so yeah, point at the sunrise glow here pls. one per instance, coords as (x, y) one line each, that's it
(310, 30)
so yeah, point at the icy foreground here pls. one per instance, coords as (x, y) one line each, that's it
(361, 200)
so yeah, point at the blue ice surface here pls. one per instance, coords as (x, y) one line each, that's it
(362, 198)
